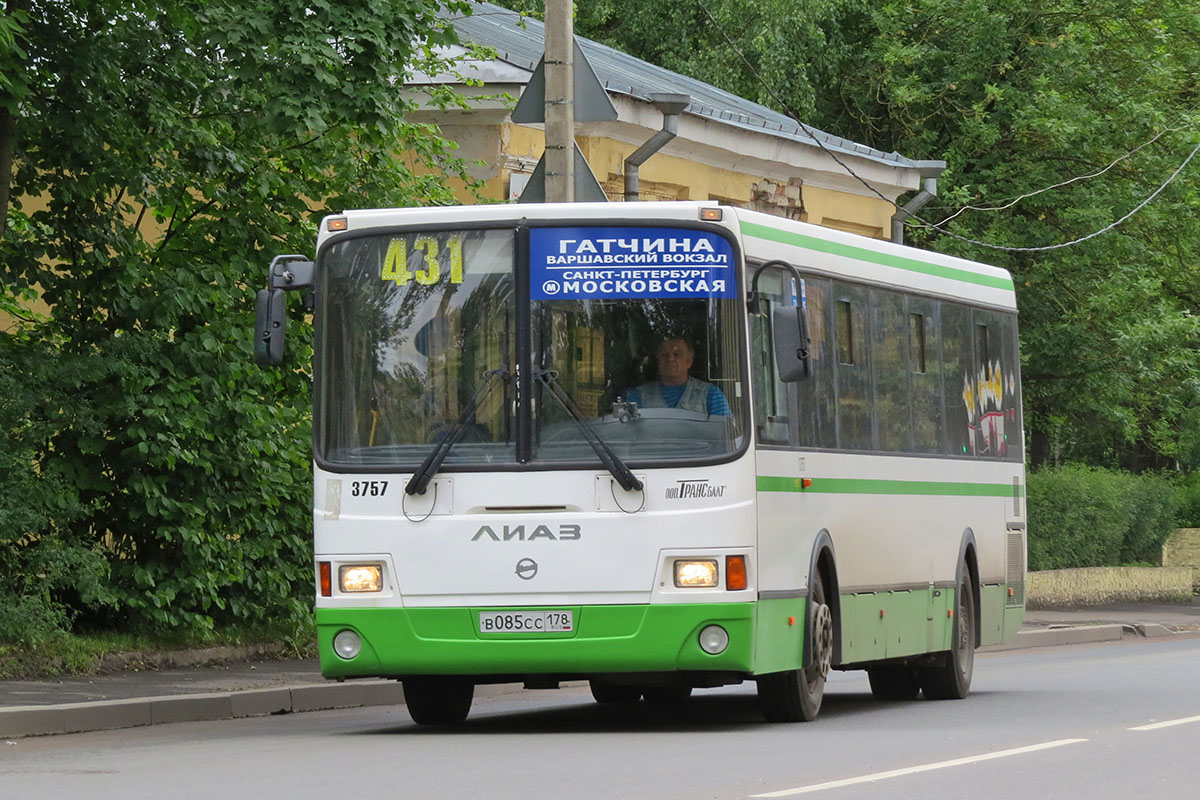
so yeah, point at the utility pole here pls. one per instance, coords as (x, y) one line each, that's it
(560, 102)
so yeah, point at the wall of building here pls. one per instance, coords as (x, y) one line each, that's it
(510, 149)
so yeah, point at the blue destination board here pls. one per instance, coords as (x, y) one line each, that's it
(615, 263)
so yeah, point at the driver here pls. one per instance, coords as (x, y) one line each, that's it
(675, 388)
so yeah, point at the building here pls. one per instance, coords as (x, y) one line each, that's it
(726, 149)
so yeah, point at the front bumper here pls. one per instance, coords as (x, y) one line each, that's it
(624, 638)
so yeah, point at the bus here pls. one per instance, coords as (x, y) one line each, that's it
(655, 448)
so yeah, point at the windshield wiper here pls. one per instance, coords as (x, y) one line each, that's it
(611, 461)
(424, 474)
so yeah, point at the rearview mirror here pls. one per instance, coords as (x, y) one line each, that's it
(270, 323)
(790, 332)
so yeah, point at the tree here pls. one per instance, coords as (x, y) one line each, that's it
(162, 152)
(1016, 98)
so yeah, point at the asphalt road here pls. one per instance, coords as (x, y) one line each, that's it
(1097, 721)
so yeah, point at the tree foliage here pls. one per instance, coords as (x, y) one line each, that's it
(162, 152)
(1015, 97)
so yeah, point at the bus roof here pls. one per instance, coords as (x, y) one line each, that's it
(765, 237)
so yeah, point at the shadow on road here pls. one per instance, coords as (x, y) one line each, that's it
(701, 713)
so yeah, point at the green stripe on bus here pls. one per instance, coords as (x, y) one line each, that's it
(772, 483)
(863, 254)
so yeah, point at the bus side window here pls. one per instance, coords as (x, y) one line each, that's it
(1010, 358)
(891, 356)
(998, 429)
(959, 379)
(770, 394)
(925, 376)
(855, 400)
(815, 409)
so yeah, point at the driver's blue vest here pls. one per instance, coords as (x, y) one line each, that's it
(694, 398)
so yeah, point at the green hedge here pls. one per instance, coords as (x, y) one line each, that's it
(1083, 516)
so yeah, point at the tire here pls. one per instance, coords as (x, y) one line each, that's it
(613, 693)
(950, 678)
(438, 699)
(666, 695)
(894, 683)
(796, 694)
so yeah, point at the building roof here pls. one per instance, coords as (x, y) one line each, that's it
(520, 41)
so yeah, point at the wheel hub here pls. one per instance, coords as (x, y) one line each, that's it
(823, 639)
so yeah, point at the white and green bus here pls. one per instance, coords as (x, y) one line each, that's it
(655, 447)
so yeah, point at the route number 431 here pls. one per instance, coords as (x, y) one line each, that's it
(428, 251)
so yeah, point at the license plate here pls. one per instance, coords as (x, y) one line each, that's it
(525, 622)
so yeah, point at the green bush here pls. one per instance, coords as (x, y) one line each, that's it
(1153, 501)
(1187, 501)
(46, 565)
(1082, 516)
(151, 477)
(1077, 518)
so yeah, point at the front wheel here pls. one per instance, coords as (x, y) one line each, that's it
(438, 699)
(796, 695)
(950, 678)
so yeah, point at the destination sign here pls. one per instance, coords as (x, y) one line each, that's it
(613, 263)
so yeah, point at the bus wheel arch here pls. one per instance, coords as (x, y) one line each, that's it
(823, 562)
(949, 676)
(796, 695)
(968, 560)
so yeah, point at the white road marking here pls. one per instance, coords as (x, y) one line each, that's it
(1169, 723)
(896, 773)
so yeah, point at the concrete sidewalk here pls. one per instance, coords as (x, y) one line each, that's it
(242, 688)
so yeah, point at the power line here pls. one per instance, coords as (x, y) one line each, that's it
(920, 221)
(1067, 182)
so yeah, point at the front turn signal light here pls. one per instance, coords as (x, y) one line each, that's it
(735, 573)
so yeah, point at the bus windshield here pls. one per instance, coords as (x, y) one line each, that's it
(657, 379)
(418, 340)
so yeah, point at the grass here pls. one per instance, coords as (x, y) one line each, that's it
(89, 653)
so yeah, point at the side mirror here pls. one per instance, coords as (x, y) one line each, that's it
(790, 332)
(270, 323)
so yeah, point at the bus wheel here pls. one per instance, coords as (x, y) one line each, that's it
(666, 695)
(438, 699)
(795, 695)
(613, 693)
(950, 678)
(894, 683)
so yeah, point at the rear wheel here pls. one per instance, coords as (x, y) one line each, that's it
(613, 693)
(796, 695)
(894, 683)
(950, 678)
(438, 699)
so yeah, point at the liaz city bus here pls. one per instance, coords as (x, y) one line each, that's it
(655, 447)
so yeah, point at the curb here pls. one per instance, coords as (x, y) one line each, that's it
(17, 721)
(1050, 637)
(102, 715)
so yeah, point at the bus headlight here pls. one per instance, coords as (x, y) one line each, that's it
(347, 644)
(691, 574)
(361, 578)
